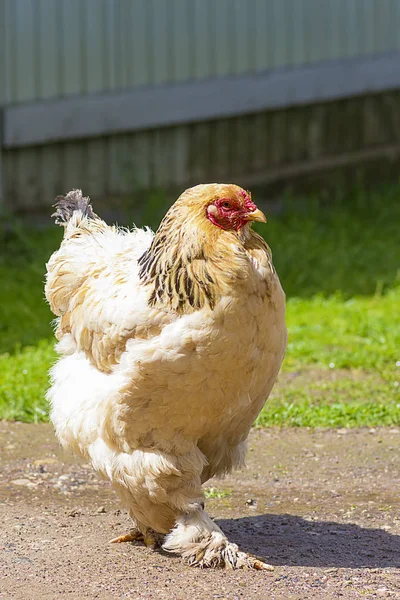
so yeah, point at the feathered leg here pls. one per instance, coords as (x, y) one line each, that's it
(170, 507)
(202, 544)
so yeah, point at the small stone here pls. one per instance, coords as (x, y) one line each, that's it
(331, 570)
(101, 510)
(45, 461)
(25, 482)
(250, 502)
(75, 512)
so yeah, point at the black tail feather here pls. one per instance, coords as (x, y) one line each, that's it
(67, 205)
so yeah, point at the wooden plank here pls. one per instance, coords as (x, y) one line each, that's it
(1, 181)
(142, 108)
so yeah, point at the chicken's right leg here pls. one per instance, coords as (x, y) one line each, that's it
(133, 536)
(150, 538)
(145, 535)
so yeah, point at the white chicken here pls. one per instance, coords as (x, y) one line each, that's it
(170, 344)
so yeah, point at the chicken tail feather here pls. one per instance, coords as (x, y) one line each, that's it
(73, 202)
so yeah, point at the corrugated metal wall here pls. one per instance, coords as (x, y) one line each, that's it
(53, 48)
(60, 47)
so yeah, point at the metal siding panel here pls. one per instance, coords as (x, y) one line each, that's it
(335, 31)
(141, 57)
(48, 41)
(3, 60)
(161, 41)
(363, 37)
(203, 44)
(280, 56)
(261, 12)
(105, 114)
(118, 54)
(384, 12)
(241, 51)
(25, 51)
(369, 25)
(8, 41)
(396, 25)
(251, 35)
(271, 34)
(378, 22)
(124, 50)
(180, 40)
(93, 46)
(224, 38)
(311, 13)
(296, 41)
(351, 24)
(71, 35)
(109, 41)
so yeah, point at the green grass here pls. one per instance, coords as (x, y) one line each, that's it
(213, 492)
(339, 262)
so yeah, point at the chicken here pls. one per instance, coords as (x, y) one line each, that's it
(170, 344)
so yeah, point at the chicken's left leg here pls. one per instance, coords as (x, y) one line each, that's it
(202, 543)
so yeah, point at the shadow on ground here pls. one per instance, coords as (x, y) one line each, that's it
(293, 541)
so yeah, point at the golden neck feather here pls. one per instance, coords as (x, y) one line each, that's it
(190, 261)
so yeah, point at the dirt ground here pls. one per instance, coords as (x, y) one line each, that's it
(322, 507)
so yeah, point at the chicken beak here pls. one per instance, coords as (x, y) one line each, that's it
(256, 215)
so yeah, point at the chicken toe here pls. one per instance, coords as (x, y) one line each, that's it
(151, 539)
(133, 536)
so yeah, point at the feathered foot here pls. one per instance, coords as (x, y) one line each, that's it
(216, 551)
(149, 539)
(201, 543)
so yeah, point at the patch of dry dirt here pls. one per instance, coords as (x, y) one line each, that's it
(323, 507)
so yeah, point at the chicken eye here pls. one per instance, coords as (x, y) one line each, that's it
(226, 204)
